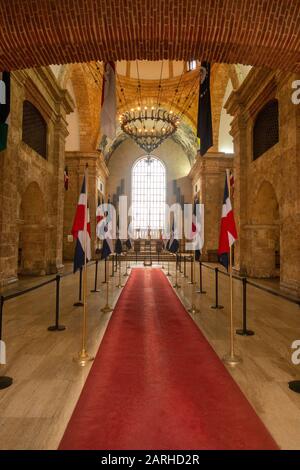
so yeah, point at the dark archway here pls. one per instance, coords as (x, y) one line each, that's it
(32, 232)
(265, 234)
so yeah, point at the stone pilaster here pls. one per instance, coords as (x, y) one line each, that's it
(289, 118)
(76, 162)
(208, 173)
(9, 199)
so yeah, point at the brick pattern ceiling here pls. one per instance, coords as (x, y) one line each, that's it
(255, 32)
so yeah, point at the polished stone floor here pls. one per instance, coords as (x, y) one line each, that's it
(35, 410)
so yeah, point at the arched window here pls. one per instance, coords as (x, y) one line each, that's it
(191, 65)
(34, 130)
(148, 194)
(265, 130)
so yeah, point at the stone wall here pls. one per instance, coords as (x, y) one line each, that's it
(171, 154)
(267, 190)
(31, 188)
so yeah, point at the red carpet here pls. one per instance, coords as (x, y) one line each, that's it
(156, 383)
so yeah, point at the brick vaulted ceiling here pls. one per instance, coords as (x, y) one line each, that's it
(255, 32)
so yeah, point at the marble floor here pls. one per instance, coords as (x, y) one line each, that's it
(35, 410)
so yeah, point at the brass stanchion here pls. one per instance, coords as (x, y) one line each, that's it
(231, 359)
(126, 267)
(168, 273)
(176, 285)
(192, 269)
(184, 266)
(119, 286)
(193, 309)
(107, 308)
(83, 358)
(105, 272)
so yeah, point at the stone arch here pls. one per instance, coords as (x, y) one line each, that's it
(32, 232)
(88, 99)
(117, 38)
(265, 233)
(73, 122)
(225, 139)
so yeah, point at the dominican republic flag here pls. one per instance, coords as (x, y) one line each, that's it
(81, 230)
(107, 248)
(173, 242)
(194, 228)
(204, 124)
(99, 214)
(108, 102)
(228, 233)
(66, 178)
(4, 108)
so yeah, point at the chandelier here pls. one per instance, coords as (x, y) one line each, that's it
(149, 127)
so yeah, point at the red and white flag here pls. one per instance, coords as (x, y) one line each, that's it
(228, 233)
(99, 214)
(81, 229)
(108, 103)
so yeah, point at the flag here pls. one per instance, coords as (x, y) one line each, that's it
(81, 229)
(173, 242)
(129, 243)
(106, 247)
(108, 102)
(4, 108)
(66, 178)
(194, 228)
(99, 213)
(118, 247)
(204, 124)
(228, 233)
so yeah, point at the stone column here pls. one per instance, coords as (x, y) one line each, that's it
(57, 209)
(239, 134)
(8, 188)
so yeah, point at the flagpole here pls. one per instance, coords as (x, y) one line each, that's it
(231, 359)
(83, 357)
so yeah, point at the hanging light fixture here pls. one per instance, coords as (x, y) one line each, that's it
(149, 127)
